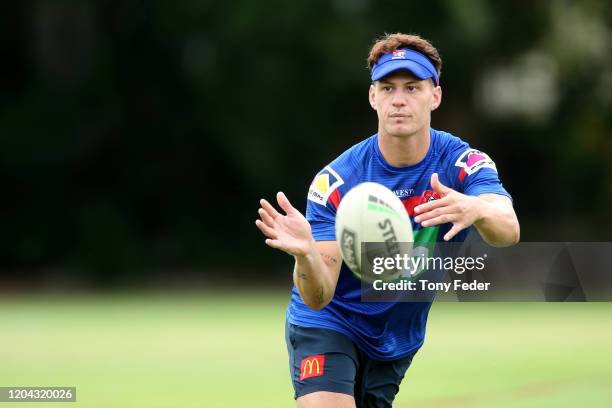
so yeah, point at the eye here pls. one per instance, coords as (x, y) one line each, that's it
(411, 88)
(386, 88)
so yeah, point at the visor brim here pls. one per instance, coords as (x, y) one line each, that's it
(413, 67)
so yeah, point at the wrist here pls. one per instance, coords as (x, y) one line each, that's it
(308, 254)
(483, 210)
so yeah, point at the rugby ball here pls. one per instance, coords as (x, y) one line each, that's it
(372, 215)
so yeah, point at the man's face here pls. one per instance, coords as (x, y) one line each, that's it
(404, 103)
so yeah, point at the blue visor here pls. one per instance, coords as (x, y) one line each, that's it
(415, 62)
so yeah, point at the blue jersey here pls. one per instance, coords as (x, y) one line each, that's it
(390, 330)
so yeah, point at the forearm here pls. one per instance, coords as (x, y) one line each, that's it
(313, 279)
(497, 225)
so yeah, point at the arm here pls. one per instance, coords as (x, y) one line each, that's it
(497, 223)
(491, 214)
(316, 273)
(317, 264)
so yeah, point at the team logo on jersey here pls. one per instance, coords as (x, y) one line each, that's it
(323, 185)
(473, 160)
(411, 202)
(312, 366)
(399, 54)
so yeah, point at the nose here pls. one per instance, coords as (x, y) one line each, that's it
(398, 99)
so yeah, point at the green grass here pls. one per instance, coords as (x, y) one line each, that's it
(208, 350)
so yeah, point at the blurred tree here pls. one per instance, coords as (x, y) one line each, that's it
(138, 136)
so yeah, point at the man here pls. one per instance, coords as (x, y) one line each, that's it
(345, 353)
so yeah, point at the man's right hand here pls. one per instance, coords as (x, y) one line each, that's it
(317, 264)
(290, 233)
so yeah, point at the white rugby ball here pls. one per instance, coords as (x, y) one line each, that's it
(371, 213)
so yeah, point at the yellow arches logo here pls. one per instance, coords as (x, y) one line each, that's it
(312, 366)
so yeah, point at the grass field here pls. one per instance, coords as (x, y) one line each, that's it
(204, 350)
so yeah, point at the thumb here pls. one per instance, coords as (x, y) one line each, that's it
(437, 186)
(284, 203)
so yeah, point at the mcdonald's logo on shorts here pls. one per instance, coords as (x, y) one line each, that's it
(312, 367)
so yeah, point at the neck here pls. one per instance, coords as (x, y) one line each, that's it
(406, 150)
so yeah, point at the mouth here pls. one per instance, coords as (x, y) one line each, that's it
(398, 116)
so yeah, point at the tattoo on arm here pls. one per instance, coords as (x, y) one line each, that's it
(302, 275)
(320, 294)
(329, 257)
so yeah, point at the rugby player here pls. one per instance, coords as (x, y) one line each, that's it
(342, 352)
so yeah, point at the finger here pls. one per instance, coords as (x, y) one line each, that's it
(265, 217)
(438, 186)
(441, 202)
(453, 231)
(284, 203)
(436, 212)
(274, 243)
(268, 207)
(267, 231)
(442, 219)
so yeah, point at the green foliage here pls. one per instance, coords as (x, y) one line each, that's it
(142, 134)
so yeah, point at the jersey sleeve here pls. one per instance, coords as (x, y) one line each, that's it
(474, 172)
(322, 203)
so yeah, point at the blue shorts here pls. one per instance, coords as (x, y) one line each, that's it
(326, 360)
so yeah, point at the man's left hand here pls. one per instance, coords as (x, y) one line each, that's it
(460, 209)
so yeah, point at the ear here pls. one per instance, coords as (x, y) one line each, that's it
(437, 97)
(372, 96)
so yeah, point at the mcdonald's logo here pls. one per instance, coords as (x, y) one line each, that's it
(312, 366)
